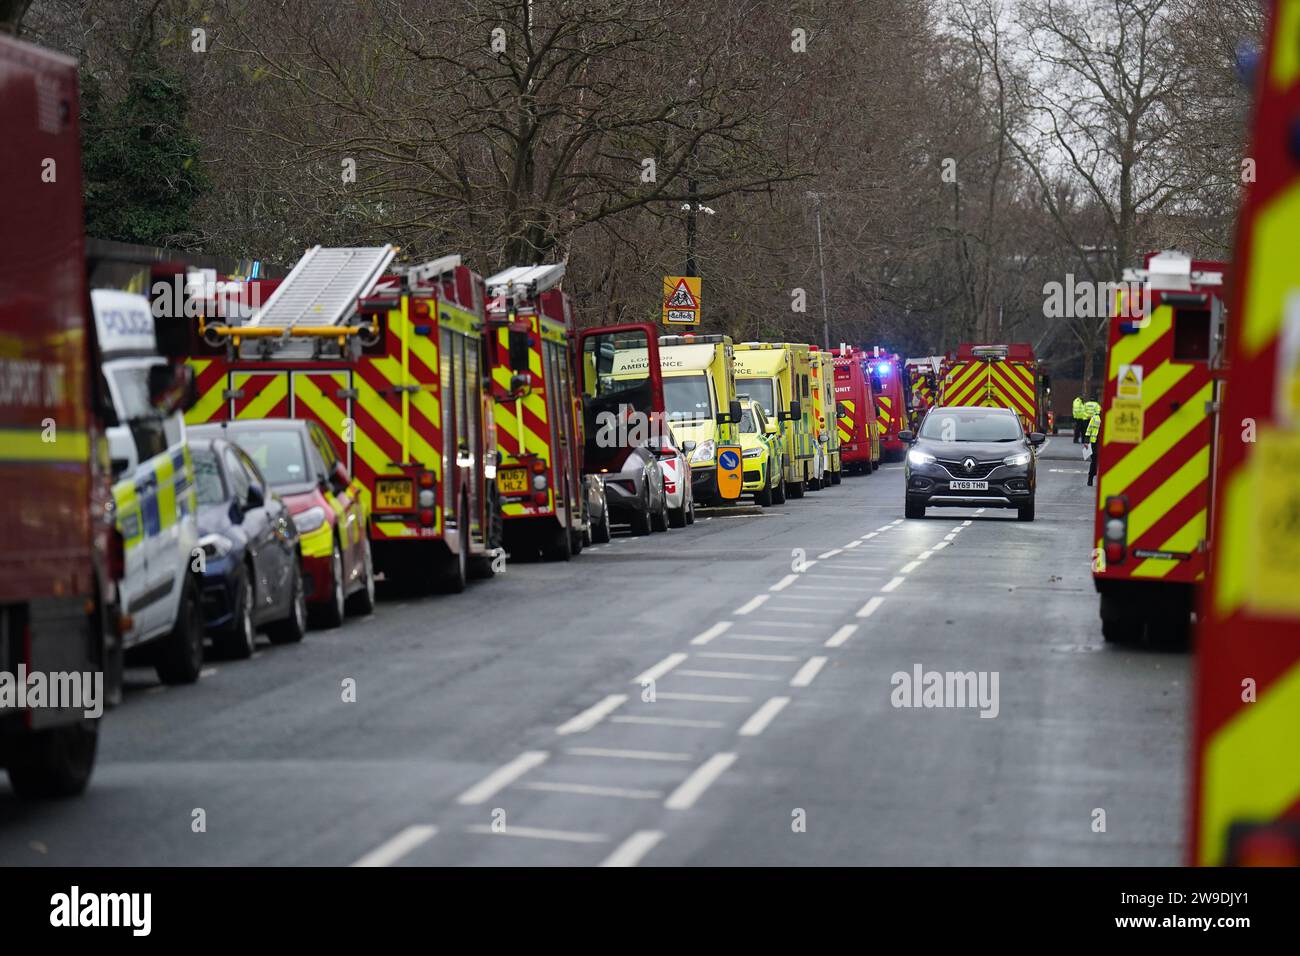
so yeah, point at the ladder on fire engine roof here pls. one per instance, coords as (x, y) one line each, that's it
(1172, 272)
(528, 281)
(320, 292)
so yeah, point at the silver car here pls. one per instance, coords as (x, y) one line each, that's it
(635, 492)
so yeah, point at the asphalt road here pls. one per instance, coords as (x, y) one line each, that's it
(510, 724)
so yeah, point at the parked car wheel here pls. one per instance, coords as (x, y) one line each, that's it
(363, 602)
(180, 658)
(239, 640)
(294, 627)
(331, 612)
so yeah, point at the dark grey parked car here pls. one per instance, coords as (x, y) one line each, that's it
(967, 457)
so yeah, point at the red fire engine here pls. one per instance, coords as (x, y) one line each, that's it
(885, 370)
(855, 402)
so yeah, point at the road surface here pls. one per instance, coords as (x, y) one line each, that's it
(680, 699)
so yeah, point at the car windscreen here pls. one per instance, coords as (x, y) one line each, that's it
(207, 478)
(760, 390)
(971, 426)
(278, 453)
(686, 399)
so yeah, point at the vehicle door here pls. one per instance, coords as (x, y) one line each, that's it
(252, 521)
(615, 402)
(343, 499)
(283, 552)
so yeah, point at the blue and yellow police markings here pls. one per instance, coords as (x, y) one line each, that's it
(159, 495)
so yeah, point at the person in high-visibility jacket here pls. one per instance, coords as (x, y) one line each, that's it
(1079, 420)
(1093, 433)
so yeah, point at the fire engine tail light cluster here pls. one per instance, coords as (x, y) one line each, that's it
(540, 494)
(1115, 530)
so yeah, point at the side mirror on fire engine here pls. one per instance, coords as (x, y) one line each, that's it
(907, 436)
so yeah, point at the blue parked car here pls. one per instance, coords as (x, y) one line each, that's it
(252, 578)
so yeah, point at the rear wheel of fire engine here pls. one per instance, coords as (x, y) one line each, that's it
(558, 545)
(911, 510)
(55, 762)
(1026, 512)
(294, 627)
(456, 573)
(1120, 624)
(238, 642)
(331, 613)
(363, 602)
(180, 657)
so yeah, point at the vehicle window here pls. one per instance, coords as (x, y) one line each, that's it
(760, 390)
(279, 453)
(235, 472)
(686, 398)
(250, 468)
(323, 445)
(748, 423)
(132, 386)
(971, 426)
(208, 486)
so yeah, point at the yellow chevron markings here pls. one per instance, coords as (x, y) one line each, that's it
(1185, 538)
(1155, 445)
(261, 405)
(1130, 347)
(1252, 765)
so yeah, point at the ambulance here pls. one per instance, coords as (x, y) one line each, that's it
(858, 430)
(699, 386)
(778, 376)
(826, 434)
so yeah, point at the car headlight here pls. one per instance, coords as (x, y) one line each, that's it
(216, 545)
(704, 451)
(1020, 459)
(309, 520)
(919, 458)
(754, 452)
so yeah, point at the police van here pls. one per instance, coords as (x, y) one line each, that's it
(153, 490)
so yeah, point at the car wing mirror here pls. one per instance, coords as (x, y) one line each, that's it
(256, 497)
(688, 446)
(1037, 438)
(907, 435)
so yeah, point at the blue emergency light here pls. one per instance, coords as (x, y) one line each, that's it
(883, 368)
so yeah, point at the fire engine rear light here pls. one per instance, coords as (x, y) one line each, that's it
(1116, 506)
(426, 517)
(1115, 529)
(539, 482)
(539, 466)
(1114, 552)
(540, 498)
(426, 498)
(426, 479)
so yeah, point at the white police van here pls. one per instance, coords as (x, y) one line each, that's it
(153, 491)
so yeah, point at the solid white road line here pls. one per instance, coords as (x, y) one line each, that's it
(684, 797)
(726, 675)
(909, 567)
(665, 721)
(805, 675)
(592, 715)
(784, 583)
(502, 777)
(753, 603)
(631, 850)
(843, 634)
(390, 851)
(626, 754)
(537, 833)
(704, 698)
(723, 655)
(869, 608)
(893, 583)
(705, 636)
(660, 669)
(829, 554)
(588, 790)
(759, 720)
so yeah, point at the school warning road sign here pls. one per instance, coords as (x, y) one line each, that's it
(681, 300)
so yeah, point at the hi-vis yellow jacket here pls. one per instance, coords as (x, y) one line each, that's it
(1094, 428)
(1078, 407)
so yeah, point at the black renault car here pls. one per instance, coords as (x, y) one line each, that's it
(967, 457)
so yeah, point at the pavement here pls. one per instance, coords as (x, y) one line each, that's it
(726, 694)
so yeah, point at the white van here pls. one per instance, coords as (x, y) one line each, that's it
(153, 492)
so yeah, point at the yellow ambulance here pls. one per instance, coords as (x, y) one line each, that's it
(825, 431)
(700, 403)
(778, 376)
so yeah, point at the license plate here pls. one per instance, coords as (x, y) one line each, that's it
(394, 494)
(968, 485)
(512, 481)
